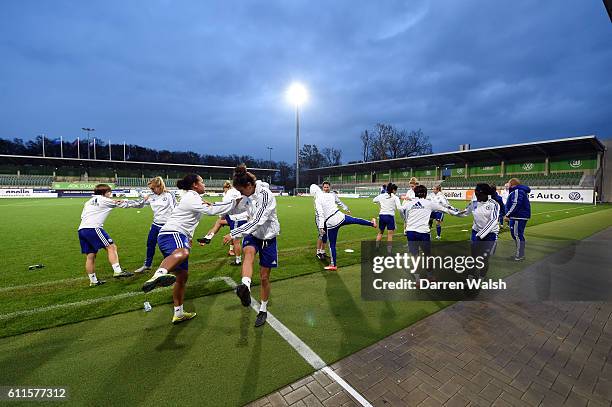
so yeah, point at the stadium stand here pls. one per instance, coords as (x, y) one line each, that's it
(558, 164)
(41, 172)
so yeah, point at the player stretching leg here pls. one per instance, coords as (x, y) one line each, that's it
(389, 203)
(322, 237)
(174, 241)
(162, 203)
(438, 197)
(331, 219)
(92, 235)
(259, 236)
(229, 194)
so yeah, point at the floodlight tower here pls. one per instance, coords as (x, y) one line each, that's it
(297, 95)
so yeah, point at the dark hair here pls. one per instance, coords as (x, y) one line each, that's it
(242, 177)
(326, 182)
(187, 182)
(484, 189)
(420, 191)
(391, 188)
(102, 189)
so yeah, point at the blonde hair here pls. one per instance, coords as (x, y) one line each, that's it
(414, 181)
(513, 181)
(227, 185)
(157, 182)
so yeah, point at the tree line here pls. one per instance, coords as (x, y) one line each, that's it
(53, 148)
(385, 141)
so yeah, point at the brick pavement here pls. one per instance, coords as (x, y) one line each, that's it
(478, 354)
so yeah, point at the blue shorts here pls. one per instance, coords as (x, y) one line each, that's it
(93, 239)
(418, 237)
(268, 255)
(232, 223)
(170, 241)
(491, 237)
(437, 215)
(386, 221)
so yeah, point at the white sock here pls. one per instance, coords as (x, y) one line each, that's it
(116, 268)
(161, 271)
(93, 278)
(238, 259)
(264, 306)
(210, 235)
(247, 281)
(178, 311)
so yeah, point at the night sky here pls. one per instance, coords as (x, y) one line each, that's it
(211, 76)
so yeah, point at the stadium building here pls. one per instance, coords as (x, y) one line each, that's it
(575, 169)
(49, 177)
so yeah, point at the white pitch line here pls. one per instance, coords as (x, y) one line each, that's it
(304, 350)
(46, 283)
(98, 300)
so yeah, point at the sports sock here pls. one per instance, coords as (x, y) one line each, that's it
(178, 311)
(210, 235)
(247, 281)
(161, 271)
(439, 230)
(117, 268)
(264, 306)
(238, 259)
(92, 278)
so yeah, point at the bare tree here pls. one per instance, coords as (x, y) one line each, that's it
(332, 156)
(416, 143)
(366, 142)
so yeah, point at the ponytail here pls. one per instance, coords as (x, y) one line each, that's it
(242, 177)
(187, 182)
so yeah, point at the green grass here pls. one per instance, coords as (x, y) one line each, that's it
(137, 358)
(44, 231)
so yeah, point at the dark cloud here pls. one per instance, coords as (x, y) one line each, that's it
(211, 76)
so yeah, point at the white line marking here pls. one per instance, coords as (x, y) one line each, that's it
(130, 294)
(304, 350)
(52, 282)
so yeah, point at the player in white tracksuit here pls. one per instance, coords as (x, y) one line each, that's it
(331, 219)
(92, 235)
(410, 195)
(258, 235)
(438, 197)
(321, 236)
(389, 203)
(486, 223)
(229, 194)
(416, 214)
(162, 202)
(174, 241)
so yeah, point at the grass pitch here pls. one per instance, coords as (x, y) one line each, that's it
(218, 358)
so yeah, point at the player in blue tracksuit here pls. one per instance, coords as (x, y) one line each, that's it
(518, 212)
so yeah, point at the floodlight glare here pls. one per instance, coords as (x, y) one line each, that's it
(297, 94)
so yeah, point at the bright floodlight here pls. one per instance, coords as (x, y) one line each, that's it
(297, 94)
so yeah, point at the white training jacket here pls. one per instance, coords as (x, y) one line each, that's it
(416, 214)
(232, 194)
(439, 198)
(388, 203)
(326, 207)
(186, 215)
(259, 210)
(98, 207)
(486, 216)
(409, 195)
(162, 206)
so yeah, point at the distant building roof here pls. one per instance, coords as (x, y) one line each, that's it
(574, 145)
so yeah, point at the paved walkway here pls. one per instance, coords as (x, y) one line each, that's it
(481, 354)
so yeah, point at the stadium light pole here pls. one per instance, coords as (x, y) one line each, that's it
(88, 130)
(43, 143)
(297, 95)
(270, 152)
